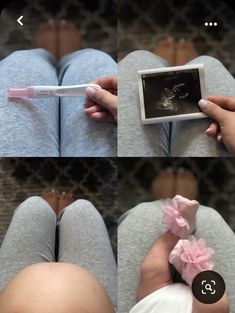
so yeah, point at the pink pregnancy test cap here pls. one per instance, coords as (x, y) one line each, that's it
(20, 93)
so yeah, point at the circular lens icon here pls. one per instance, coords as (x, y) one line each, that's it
(208, 287)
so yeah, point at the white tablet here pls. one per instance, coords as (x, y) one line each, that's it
(171, 93)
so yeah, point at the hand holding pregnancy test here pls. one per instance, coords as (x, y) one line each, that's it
(101, 104)
(32, 92)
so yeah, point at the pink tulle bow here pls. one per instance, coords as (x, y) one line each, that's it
(180, 216)
(191, 257)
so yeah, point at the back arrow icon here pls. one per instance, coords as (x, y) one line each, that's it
(19, 20)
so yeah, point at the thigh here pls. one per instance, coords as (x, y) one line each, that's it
(189, 137)
(135, 139)
(137, 233)
(219, 236)
(83, 240)
(28, 127)
(81, 136)
(30, 238)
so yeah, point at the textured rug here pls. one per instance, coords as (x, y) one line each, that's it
(142, 24)
(216, 178)
(87, 178)
(96, 20)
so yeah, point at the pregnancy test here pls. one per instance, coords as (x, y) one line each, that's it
(32, 92)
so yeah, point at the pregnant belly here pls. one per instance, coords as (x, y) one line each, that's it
(54, 288)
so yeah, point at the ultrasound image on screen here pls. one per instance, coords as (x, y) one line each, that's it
(171, 93)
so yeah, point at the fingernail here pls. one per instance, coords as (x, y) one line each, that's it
(208, 129)
(90, 92)
(202, 103)
(219, 138)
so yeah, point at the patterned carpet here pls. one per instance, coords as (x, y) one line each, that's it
(142, 24)
(216, 178)
(87, 178)
(96, 20)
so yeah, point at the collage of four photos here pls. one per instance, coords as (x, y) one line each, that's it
(117, 156)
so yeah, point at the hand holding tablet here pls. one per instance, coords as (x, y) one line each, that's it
(173, 93)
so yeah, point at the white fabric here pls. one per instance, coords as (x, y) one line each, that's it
(174, 298)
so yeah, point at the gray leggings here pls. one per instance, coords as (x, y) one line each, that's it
(140, 227)
(179, 139)
(53, 127)
(83, 240)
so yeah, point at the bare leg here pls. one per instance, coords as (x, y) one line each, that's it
(155, 270)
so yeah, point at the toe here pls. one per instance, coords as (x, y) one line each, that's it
(63, 25)
(63, 195)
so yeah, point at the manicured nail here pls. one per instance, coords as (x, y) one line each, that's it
(202, 104)
(208, 129)
(219, 138)
(90, 92)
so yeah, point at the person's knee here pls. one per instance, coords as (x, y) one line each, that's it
(35, 206)
(21, 56)
(208, 61)
(138, 55)
(83, 209)
(95, 57)
(207, 214)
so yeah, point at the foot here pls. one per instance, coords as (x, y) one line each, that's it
(185, 52)
(46, 37)
(69, 38)
(186, 184)
(191, 257)
(65, 200)
(52, 199)
(166, 48)
(163, 185)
